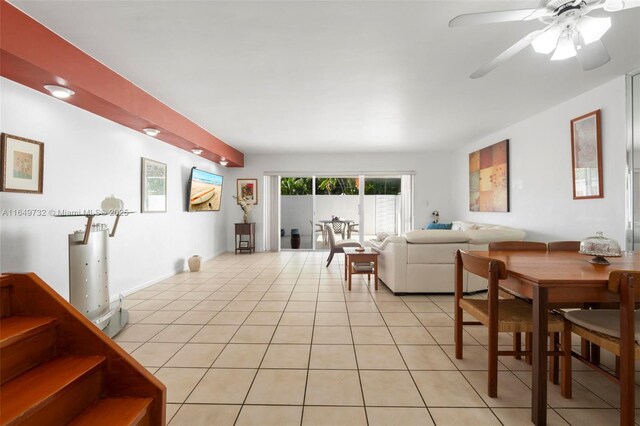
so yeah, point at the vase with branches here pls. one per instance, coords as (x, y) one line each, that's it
(245, 206)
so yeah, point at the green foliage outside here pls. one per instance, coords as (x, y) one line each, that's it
(339, 186)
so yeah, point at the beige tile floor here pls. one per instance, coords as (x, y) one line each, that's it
(275, 339)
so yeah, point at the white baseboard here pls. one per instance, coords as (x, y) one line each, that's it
(160, 278)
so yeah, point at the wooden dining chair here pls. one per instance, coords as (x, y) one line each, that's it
(501, 316)
(617, 331)
(564, 246)
(517, 246)
(517, 339)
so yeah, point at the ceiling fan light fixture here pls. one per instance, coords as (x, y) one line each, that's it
(592, 29)
(547, 41)
(613, 5)
(196, 151)
(565, 49)
(223, 162)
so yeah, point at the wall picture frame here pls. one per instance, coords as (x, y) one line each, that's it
(153, 187)
(247, 188)
(22, 164)
(586, 156)
(489, 178)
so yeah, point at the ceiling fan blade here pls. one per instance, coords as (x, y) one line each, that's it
(618, 5)
(592, 55)
(500, 16)
(630, 4)
(507, 54)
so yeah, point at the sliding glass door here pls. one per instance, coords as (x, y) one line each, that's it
(337, 202)
(382, 206)
(354, 207)
(296, 213)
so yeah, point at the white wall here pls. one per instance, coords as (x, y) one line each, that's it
(297, 210)
(87, 158)
(540, 171)
(431, 179)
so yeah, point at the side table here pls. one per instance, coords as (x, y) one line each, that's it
(245, 245)
(353, 259)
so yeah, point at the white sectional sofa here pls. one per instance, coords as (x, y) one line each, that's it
(423, 261)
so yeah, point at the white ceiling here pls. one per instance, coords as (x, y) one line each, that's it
(339, 76)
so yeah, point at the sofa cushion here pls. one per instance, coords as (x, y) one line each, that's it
(434, 253)
(436, 236)
(484, 236)
(459, 225)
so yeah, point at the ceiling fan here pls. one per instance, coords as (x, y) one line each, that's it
(568, 32)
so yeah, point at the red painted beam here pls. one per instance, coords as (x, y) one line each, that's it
(32, 55)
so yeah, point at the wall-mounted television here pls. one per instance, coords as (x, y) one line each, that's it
(205, 191)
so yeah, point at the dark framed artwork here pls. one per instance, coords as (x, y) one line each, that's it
(247, 188)
(154, 187)
(22, 164)
(489, 178)
(586, 156)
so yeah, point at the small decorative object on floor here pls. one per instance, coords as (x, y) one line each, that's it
(194, 263)
(436, 216)
(295, 238)
(245, 205)
(600, 247)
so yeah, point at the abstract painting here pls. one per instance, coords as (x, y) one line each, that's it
(489, 178)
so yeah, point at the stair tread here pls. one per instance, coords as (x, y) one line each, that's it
(27, 392)
(109, 411)
(15, 328)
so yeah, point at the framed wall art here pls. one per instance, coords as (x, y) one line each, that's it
(154, 187)
(22, 164)
(248, 188)
(489, 178)
(586, 156)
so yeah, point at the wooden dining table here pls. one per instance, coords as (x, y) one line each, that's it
(558, 278)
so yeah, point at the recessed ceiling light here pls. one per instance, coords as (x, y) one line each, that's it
(224, 162)
(150, 131)
(196, 151)
(59, 91)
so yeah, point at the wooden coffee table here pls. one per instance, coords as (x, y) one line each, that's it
(353, 256)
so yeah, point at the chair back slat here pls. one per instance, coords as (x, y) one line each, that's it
(483, 266)
(517, 246)
(618, 276)
(337, 227)
(563, 246)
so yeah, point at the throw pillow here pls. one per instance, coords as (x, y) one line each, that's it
(439, 226)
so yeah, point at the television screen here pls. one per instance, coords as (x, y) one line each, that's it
(205, 191)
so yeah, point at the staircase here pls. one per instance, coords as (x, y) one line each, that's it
(57, 368)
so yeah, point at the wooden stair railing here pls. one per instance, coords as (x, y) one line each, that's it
(56, 367)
